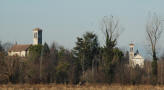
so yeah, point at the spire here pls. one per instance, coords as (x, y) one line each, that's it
(137, 52)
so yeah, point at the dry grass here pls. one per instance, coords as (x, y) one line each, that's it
(77, 87)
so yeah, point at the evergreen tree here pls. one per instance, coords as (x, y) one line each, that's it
(46, 50)
(86, 49)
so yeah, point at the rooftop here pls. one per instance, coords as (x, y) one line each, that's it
(131, 44)
(18, 48)
(37, 29)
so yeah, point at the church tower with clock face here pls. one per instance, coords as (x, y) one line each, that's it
(37, 36)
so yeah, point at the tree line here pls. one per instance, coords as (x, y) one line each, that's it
(87, 62)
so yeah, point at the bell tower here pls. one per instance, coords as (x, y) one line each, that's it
(37, 36)
(131, 52)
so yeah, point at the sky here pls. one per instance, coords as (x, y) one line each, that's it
(63, 21)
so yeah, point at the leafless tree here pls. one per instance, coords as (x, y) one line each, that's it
(111, 25)
(10, 69)
(153, 32)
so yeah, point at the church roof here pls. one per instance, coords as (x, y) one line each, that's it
(138, 56)
(131, 44)
(17, 48)
(37, 29)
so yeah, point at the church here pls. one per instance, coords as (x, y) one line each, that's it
(22, 50)
(135, 59)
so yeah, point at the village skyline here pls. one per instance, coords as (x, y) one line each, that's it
(82, 44)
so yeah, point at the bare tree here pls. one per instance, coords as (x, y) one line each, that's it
(111, 26)
(153, 32)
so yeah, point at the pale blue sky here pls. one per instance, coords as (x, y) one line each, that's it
(63, 20)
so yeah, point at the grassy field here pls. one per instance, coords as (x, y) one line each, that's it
(77, 87)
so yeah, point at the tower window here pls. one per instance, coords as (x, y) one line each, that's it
(35, 35)
(131, 49)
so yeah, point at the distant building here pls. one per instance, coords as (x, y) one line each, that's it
(37, 33)
(23, 50)
(19, 50)
(135, 58)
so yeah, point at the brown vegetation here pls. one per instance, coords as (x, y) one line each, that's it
(59, 66)
(77, 87)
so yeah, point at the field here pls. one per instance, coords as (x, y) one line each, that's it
(77, 87)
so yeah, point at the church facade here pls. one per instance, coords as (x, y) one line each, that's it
(135, 59)
(22, 50)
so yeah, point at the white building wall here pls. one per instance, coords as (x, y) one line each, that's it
(13, 53)
(35, 38)
(139, 62)
(21, 53)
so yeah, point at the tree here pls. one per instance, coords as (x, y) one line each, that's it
(111, 29)
(34, 64)
(45, 53)
(46, 50)
(11, 69)
(35, 51)
(86, 49)
(62, 72)
(153, 32)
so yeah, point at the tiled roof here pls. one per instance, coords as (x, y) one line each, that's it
(137, 56)
(131, 44)
(37, 29)
(17, 48)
